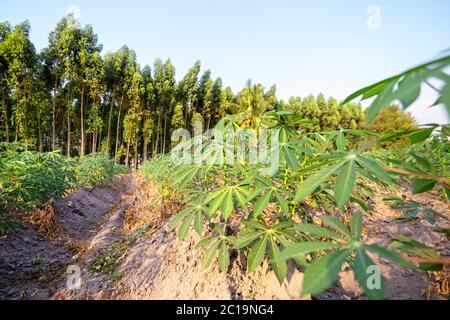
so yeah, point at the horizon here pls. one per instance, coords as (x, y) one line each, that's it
(284, 44)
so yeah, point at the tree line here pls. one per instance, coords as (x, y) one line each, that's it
(70, 97)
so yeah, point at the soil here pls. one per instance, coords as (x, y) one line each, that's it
(154, 264)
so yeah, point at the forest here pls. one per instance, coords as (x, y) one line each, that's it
(72, 98)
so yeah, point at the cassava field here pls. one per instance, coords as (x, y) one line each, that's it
(119, 182)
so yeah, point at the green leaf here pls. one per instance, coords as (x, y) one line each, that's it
(317, 231)
(216, 199)
(374, 290)
(179, 217)
(291, 159)
(246, 239)
(279, 267)
(185, 226)
(320, 274)
(282, 202)
(336, 224)
(261, 204)
(356, 225)
(422, 185)
(227, 205)
(340, 141)
(254, 224)
(390, 255)
(210, 254)
(344, 184)
(313, 182)
(198, 222)
(383, 99)
(301, 249)
(375, 169)
(409, 89)
(241, 198)
(224, 257)
(204, 242)
(421, 135)
(256, 255)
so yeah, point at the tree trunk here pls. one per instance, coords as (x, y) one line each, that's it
(136, 153)
(82, 120)
(127, 156)
(144, 147)
(54, 119)
(157, 134)
(68, 134)
(68, 121)
(165, 130)
(5, 114)
(108, 142)
(40, 145)
(118, 127)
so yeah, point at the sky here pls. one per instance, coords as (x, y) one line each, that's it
(304, 47)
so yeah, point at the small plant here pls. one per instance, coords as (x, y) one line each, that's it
(413, 210)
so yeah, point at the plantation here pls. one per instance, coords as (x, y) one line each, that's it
(29, 179)
(144, 187)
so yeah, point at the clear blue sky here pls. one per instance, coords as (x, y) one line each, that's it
(301, 46)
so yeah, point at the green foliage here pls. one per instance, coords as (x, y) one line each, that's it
(237, 204)
(406, 87)
(29, 179)
(413, 209)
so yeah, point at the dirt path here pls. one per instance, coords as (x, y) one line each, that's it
(119, 239)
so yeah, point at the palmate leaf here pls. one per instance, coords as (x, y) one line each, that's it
(361, 265)
(374, 168)
(317, 231)
(279, 267)
(313, 182)
(422, 185)
(337, 225)
(344, 183)
(340, 141)
(256, 255)
(421, 135)
(356, 224)
(300, 249)
(224, 257)
(223, 198)
(210, 254)
(405, 87)
(389, 255)
(320, 274)
(261, 204)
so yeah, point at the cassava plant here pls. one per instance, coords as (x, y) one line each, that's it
(266, 203)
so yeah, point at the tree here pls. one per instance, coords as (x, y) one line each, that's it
(148, 99)
(390, 120)
(19, 61)
(189, 89)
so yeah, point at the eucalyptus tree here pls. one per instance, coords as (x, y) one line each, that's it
(95, 80)
(125, 66)
(5, 30)
(206, 95)
(132, 118)
(253, 100)
(216, 100)
(165, 85)
(19, 60)
(87, 51)
(54, 65)
(189, 90)
(149, 109)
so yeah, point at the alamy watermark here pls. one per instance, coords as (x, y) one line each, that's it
(374, 18)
